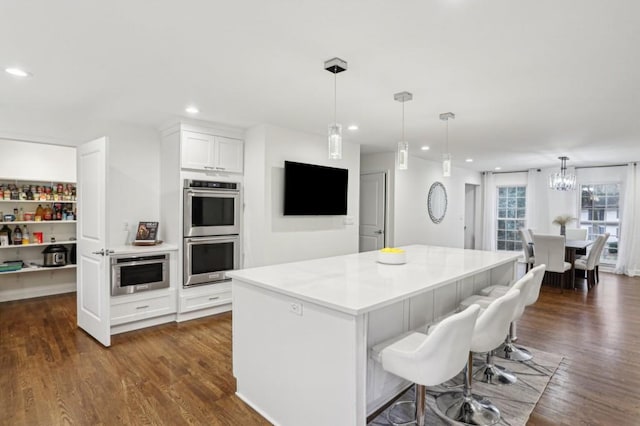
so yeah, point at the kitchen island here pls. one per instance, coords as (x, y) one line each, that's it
(302, 331)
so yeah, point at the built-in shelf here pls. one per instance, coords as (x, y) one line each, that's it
(37, 245)
(39, 201)
(34, 222)
(32, 268)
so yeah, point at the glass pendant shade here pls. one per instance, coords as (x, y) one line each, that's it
(403, 155)
(562, 181)
(335, 141)
(446, 165)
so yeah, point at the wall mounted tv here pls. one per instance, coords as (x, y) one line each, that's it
(310, 189)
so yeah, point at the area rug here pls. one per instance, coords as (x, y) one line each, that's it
(515, 402)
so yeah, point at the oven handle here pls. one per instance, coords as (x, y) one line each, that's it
(204, 240)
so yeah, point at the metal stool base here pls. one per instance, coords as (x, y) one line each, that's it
(512, 352)
(497, 374)
(471, 409)
(418, 408)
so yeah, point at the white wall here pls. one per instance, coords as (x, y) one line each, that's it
(409, 221)
(269, 236)
(37, 161)
(133, 187)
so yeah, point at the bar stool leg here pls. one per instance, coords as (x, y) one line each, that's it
(510, 351)
(466, 407)
(420, 405)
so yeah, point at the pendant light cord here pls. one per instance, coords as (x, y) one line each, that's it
(403, 121)
(335, 98)
(447, 139)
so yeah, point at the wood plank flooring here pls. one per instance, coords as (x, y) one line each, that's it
(52, 373)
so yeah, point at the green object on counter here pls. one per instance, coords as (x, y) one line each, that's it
(8, 267)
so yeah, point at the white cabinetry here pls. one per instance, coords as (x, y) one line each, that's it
(208, 152)
(146, 308)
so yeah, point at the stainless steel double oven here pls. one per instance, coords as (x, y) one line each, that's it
(212, 214)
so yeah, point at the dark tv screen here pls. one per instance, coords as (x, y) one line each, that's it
(310, 189)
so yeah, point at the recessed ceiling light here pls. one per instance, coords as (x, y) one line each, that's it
(353, 127)
(424, 148)
(192, 110)
(498, 168)
(17, 72)
(469, 160)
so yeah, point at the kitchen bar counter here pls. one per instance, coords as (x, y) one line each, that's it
(302, 330)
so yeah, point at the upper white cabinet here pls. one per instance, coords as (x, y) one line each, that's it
(203, 151)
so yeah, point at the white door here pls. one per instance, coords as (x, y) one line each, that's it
(470, 216)
(372, 211)
(93, 293)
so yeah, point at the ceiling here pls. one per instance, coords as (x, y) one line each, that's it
(528, 80)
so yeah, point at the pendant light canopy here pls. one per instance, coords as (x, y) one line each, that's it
(562, 181)
(446, 157)
(335, 66)
(403, 145)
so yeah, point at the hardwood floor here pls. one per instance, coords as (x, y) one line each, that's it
(52, 373)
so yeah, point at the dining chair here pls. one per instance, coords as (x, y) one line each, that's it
(576, 234)
(591, 261)
(549, 250)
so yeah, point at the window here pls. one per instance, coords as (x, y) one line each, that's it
(600, 213)
(512, 203)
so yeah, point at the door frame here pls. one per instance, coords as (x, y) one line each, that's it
(388, 232)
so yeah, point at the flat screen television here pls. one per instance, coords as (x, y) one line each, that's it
(310, 189)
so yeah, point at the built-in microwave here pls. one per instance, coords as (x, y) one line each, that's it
(135, 273)
(211, 208)
(207, 259)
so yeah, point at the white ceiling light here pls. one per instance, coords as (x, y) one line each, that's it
(192, 110)
(17, 72)
(446, 157)
(353, 127)
(562, 181)
(469, 160)
(424, 148)
(403, 145)
(497, 168)
(335, 66)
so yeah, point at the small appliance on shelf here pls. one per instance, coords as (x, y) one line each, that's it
(146, 234)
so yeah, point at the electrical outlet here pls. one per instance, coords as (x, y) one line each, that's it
(296, 308)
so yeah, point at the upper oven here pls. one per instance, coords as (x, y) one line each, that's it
(211, 208)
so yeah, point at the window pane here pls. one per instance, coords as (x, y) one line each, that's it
(521, 191)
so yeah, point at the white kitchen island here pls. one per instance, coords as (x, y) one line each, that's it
(302, 331)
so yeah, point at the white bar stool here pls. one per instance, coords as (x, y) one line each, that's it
(428, 360)
(488, 332)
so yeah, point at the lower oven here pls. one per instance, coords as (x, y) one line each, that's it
(207, 259)
(136, 273)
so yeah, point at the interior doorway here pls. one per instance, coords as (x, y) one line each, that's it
(372, 211)
(470, 208)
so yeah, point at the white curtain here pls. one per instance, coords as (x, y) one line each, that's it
(629, 246)
(533, 203)
(489, 212)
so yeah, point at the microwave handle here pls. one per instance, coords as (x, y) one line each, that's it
(217, 192)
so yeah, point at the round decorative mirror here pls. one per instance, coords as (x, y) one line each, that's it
(437, 202)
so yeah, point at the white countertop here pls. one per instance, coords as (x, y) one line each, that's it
(129, 249)
(357, 283)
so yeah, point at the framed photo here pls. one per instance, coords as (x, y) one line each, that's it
(147, 232)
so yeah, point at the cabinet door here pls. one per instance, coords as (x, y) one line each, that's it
(228, 154)
(197, 151)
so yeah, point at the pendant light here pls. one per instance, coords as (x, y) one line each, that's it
(335, 66)
(446, 157)
(403, 145)
(562, 181)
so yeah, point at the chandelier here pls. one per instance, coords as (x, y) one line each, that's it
(562, 181)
